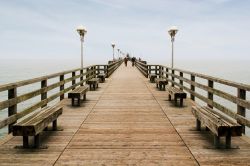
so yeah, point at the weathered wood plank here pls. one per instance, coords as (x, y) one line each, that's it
(35, 123)
(121, 126)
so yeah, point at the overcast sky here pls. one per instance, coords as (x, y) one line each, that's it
(208, 29)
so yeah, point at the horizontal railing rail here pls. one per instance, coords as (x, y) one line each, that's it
(142, 66)
(113, 66)
(76, 77)
(188, 81)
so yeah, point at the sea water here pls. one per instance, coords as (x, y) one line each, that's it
(17, 70)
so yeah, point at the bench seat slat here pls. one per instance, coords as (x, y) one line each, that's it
(176, 93)
(94, 80)
(76, 93)
(79, 89)
(102, 74)
(35, 123)
(208, 121)
(236, 129)
(219, 124)
(161, 80)
(40, 117)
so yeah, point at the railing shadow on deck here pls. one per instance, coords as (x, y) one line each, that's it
(77, 77)
(187, 81)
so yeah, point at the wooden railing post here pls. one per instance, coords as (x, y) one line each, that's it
(172, 77)
(98, 69)
(209, 94)
(87, 75)
(94, 71)
(241, 110)
(181, 81)
(81, 78)
(73, 81)
(162, 70)
(62, 87)
(167, 74)
(159, 71)
(44, 95)
(192, 87)
(108, 70)
(12, 93)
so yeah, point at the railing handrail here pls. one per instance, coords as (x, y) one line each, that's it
(38, 79)
(174, 74)
(84, 74)
(216, 79)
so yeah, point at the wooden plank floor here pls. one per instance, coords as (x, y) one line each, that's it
(127, 121)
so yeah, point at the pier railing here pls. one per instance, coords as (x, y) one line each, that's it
(143, 67)
(206, 88)
(48, 87)
(111, 67)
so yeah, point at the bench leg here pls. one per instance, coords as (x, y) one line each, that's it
(169, 97)
(198, 124)
(84, 97)
(54, 125)
(79, 101)
(216, 141)
(25, 141)
(181, 102)
(37, 141)
(175, 101)
(228, 141)
(72, 101)
(164, 87)
(156, 85)
(97, 85)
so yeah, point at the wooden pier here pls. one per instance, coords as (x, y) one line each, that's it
(126, 121)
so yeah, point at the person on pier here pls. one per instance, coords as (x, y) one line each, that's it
(126, 61)
(133, 61)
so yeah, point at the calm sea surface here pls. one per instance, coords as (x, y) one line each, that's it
(16, 70)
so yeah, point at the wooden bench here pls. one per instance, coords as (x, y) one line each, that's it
(36, 123)
(93, 82)
(101, 77)
(217, 123)
(78, 93)
(152, 77)
(161, 83)
(176, 93)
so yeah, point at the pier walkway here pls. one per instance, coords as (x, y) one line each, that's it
(126, 121)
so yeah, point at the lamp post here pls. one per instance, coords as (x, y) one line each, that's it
(113, 45)
(118, 50)
(82, 31)
(172, 32)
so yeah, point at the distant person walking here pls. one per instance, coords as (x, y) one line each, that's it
(133, 61)
(126, 61)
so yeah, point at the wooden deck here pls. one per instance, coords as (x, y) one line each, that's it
(126, 121)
